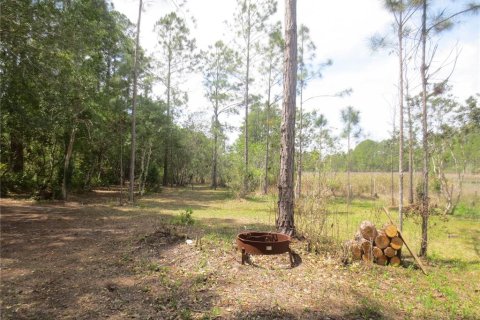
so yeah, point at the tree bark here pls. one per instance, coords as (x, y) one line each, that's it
(247, 75)
(66, 164)
(349, 187)
(16, 149)
(267, 138)
(134, 102)
(285, 221)
(142, 168)
(215, 147)
(122, 173)
(143, 181)
(168, 137)
(410, 144)
(423, 71)
(300, 143)
(400, 137)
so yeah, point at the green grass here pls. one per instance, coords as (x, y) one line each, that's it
(454, 247)
(452, 239)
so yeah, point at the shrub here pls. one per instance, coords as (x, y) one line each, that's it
(186, 217)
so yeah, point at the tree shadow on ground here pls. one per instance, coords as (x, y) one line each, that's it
(81, 262)
(364, 308)
(474, 239)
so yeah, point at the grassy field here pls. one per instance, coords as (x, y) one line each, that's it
(454, 249)
(92, 258)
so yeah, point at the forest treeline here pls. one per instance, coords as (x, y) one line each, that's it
(66, 105)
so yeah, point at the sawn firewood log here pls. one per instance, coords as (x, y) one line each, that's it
(377, 252)
(356, 250)
(390, 230)
(389, 252)
(368, 230)
(396, 243)
(382, 260)
(381, 240)
(394, 261)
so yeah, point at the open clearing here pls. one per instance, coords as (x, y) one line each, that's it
(93, 259)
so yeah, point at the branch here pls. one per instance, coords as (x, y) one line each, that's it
(473, 7)
(340, 94)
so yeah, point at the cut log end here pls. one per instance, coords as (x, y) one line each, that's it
(367, 257)
(395, 261)
(377, 252)
(390, 230)
(366, 246)
(368, 230)
(382, 260)
(389, 252)
(356, 251)
(381, 240)
(396, 243)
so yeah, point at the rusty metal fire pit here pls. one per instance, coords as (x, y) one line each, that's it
(267, 243)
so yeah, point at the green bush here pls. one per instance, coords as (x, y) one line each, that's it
(186, 217)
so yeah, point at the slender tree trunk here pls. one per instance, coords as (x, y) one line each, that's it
(142, 169)
(121, 169)
(247, 75)
(215, 148)
(267, 147)
(410, 147)
(285, 221)
(17, 155)
(66, 164)
(147, 166)
(392, 145)
(423, 70)
(134, 102)
(168, 137)
(392, 191)
(267, 139)
(400, 137)
(349, 186)
(300, 144)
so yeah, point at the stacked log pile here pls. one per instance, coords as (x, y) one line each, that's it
(377, 246)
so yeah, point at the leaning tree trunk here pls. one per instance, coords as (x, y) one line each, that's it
(423, 71)
(285, 221)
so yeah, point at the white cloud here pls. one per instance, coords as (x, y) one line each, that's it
(340, 30)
